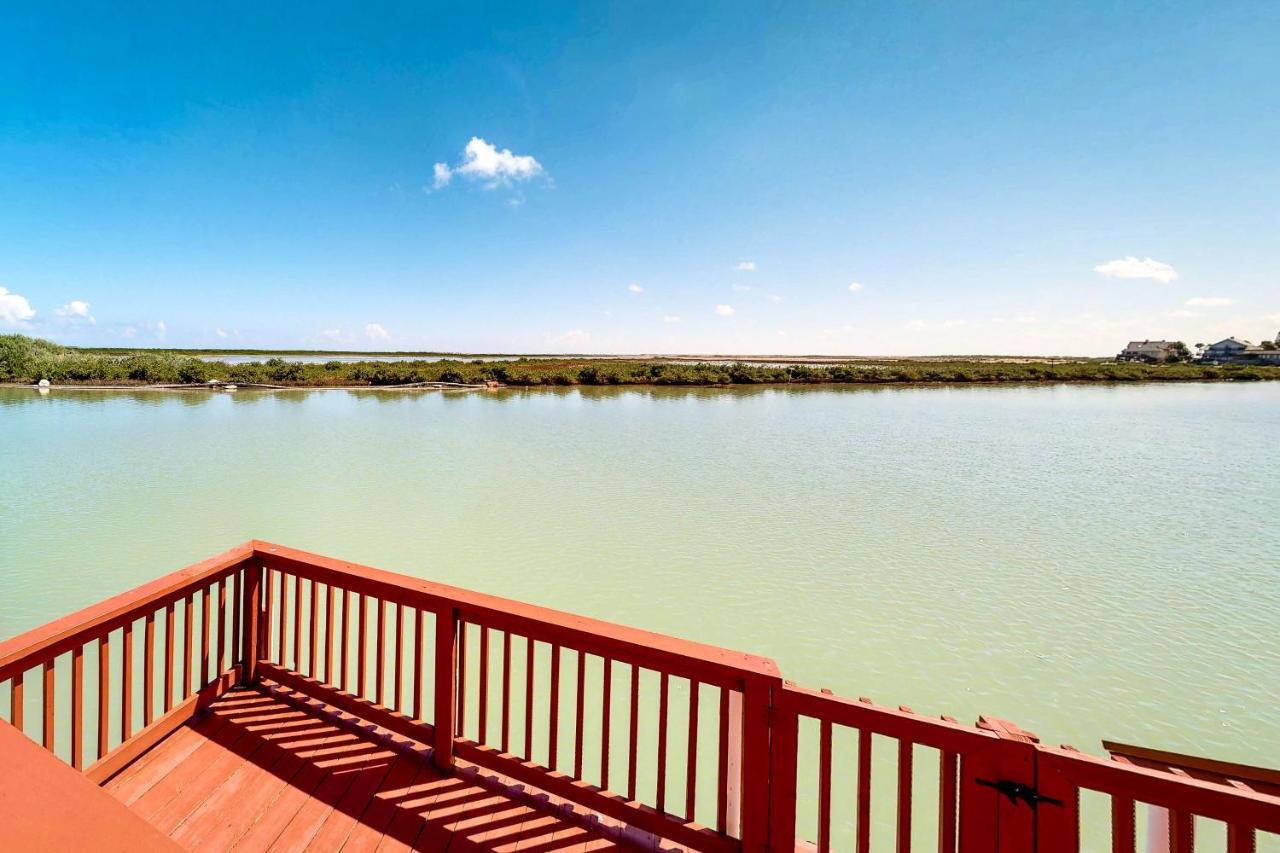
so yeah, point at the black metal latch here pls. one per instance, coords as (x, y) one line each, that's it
(1016, 791)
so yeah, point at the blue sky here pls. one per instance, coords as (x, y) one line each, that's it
(644, 178)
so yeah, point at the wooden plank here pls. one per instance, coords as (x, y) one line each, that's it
(188, 645)
(633, 733)
(329, 600)
(904, 795)
(445, 687)
(47, 806)
(460, 685)
(417, 664)
(553, 716)
(220, 642)
(297, 624)
(722, 765)
(783, 763)
(346, 638)
(250, 595)
(399, 659)
(119, 758)
(506, 691)
(663, 700)
(483, 710)
(754, 773)
(824, 786)
(606, 714)
(313, 665)
(578, 708)
(148, 668)
(864, 791)
(104, 693)
(380, 656)
(528, 698)
(338, 826)
(205, 608)
(60, 636)
(362, 630)
(691, 755)
(168, 656)
(1123, 830)
(16, 684)
(947, 767)
(1241, 839)
(235, 616)
(77, 707)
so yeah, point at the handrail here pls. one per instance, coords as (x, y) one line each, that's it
(62, 635)
(992, 779)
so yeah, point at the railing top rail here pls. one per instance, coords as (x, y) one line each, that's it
(944, 734)
(39, 644)
(1179, 792)
(592, 635)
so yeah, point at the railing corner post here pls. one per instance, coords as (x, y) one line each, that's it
(783, 758)
(757, 697)
(251, 606)
(446, 689)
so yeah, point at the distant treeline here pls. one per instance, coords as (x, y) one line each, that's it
(28, 360)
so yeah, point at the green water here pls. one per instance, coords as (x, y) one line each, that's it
(1088, 561)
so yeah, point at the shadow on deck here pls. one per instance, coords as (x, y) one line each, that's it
(266, 769)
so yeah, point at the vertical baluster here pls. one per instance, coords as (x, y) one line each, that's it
(722, 765)
(205, 596)
(362, 626)
(1240, 839)
(220, 662)
(188, 634)
(417, 664)
(235, 617)
(634, 732)
(864, 791)
(297, 623)
(104, 693)
(446, 665)
(506, 691)
(947, 802)
(399, 658)
(553, 717)
(255, 607)
(691, 770)
(528, 700)
(904, 795)
(380, 642)
(606, 713)
(460, 688)
(46, 735)
(663, 690)
(77, 707)
(313, 667)
(346, 639)
(283, 618)
(1123, 834)
(1182, 832)
(328, 634)
(15, 699)
(483, 735)
(579, 708)
(824, 785)
(148, 669)
(126, 684)
(168, 656)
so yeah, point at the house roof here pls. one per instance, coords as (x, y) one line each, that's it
(1231, 340)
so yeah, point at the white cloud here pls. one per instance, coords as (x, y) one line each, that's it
(220, 333)
(1209, 302)
(76, 310)
(482, 161)
(855, 286)
(746, 266)
(331, 334)
(375, 332)
(128, 332)
(724, 310)
(160, 329)
(741, 288)
(635, 288)
(773, 297)
(931, 326)
(15, 310)
(574, 336)
(670, 318)
(1132, 267)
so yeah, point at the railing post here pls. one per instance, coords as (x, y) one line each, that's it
(783, 747)
(757, 696)
(1013, 764)
(446, 686)
(249, 608)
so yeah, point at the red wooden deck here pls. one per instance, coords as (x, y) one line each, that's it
(268, 698)
(265, 771)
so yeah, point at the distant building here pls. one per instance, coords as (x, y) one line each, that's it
(1238, 351)
(1151, 351)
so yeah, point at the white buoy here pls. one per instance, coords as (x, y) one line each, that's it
(43, 383)
(229, 387)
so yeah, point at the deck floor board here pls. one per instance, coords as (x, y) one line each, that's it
(262, 772)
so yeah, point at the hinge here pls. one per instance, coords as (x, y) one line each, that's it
(1016, 791)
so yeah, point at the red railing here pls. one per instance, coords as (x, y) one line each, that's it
(669, 738)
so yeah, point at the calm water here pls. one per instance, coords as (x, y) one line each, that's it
(1087, 561)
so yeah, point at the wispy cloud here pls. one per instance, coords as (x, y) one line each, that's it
(724, 310)
(855, 286)
(75, 311)
(746, 266)
(15, 310)
(160, 329)
(1209, 302)
(774, 297)
(484, 162)
(222, 333)
(375, 332)
(576, 337)
(635, 288)
(1133, 267)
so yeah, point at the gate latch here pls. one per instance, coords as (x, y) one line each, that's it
(1016, 791)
